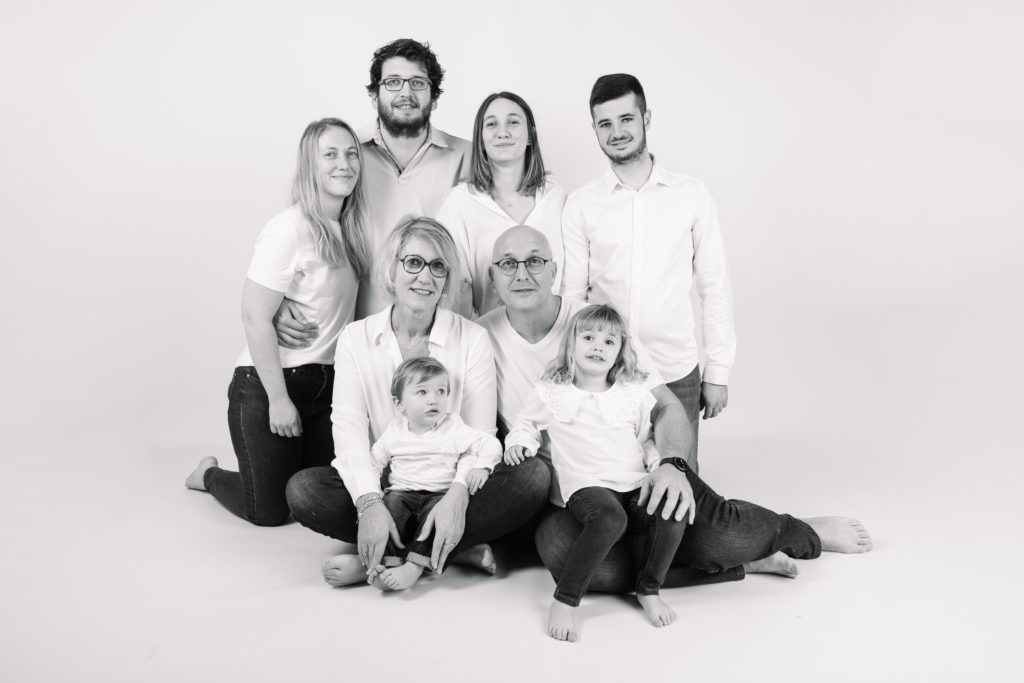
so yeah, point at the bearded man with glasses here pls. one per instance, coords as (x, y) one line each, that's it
(408, 165)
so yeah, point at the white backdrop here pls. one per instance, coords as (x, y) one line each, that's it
(866, 158)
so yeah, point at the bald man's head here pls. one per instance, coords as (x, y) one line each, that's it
(519, 288)
(519, 237)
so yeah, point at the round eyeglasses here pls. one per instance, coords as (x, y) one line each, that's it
(534, 265)
(396, 84)
(414, 264)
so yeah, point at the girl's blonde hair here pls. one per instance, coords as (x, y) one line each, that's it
(350, 245)
(599, 318)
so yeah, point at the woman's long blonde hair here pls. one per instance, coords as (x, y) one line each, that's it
(599, 318)
(350, 245)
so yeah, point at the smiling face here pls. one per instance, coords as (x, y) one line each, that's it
(596, 350)
(418, 291)
(337, 162)
(424, 402)
(621, 128)
(404, 112)
(505, 132)
(523, 291)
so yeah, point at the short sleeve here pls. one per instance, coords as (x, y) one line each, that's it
(275, 258)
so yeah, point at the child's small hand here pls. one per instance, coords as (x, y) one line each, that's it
(476, 478)
(515, 455)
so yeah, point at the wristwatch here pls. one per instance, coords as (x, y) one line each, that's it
(678, 463)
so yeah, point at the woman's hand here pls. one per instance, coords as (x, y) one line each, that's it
(515, 455)
(284, 418)
(375, 526)
(448, 520)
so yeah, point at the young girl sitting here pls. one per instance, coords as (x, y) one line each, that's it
(429, 450)
(596, 410)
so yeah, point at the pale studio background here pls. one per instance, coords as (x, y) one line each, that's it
(866, 158)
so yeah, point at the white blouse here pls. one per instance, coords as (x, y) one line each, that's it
(595, 437)
(366, 359)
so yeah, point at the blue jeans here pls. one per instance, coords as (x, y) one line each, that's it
(605, 516)
(724, 535)
(687, 390)
(409, 509)
(267, 461)
(512, 496)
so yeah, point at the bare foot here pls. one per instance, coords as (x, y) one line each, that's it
(779, 563)
(343, 570)
(655, 609)
(841, 534)
(400, 578)
(562, 621)
(480, 556)
(195, 480)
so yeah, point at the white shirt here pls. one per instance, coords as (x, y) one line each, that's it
(432, 460)
(286, 260)
(394, 193)
(366, 359)
(475, 221)
(595, 437)
(641, 251)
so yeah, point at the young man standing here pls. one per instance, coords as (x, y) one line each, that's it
(639, 238)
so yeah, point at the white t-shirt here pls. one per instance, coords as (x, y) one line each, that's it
(475, 222)
(286, 261)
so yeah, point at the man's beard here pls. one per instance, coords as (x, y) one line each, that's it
(632, 155)
(406, 128)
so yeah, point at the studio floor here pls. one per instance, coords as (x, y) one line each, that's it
(115, 572)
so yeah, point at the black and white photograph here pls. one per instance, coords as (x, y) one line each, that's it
(538, 341)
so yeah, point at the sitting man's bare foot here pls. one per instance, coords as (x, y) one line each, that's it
(195, 480)
(841, 534)
(778, 563)
(400, 578)
(480, 556)
(343, 570)
(562, 621)
(655, 609)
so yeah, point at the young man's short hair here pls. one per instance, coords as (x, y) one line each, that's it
(613, 86)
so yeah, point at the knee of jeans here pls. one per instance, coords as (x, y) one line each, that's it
(535, 479)
(269, 517)
(299, 490)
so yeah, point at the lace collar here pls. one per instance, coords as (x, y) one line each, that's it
(619, 406)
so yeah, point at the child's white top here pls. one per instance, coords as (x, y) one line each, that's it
(286, 260)
(595, 437)
(433, 460)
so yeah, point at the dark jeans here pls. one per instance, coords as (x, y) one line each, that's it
(605, 516)
(267, 461)
(320, 501)
(409, 509)
(724, 535)
(687, 390)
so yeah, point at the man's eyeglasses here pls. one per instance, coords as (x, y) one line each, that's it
(534, 265)
(415, 83)
(414, 264)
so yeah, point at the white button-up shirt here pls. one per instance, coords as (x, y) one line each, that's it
(641, 251)
(365, 361)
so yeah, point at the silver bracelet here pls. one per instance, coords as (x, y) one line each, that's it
(365, 505)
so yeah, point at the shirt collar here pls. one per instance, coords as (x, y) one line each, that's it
(382, 332)
(372, 134)
(659, 175)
